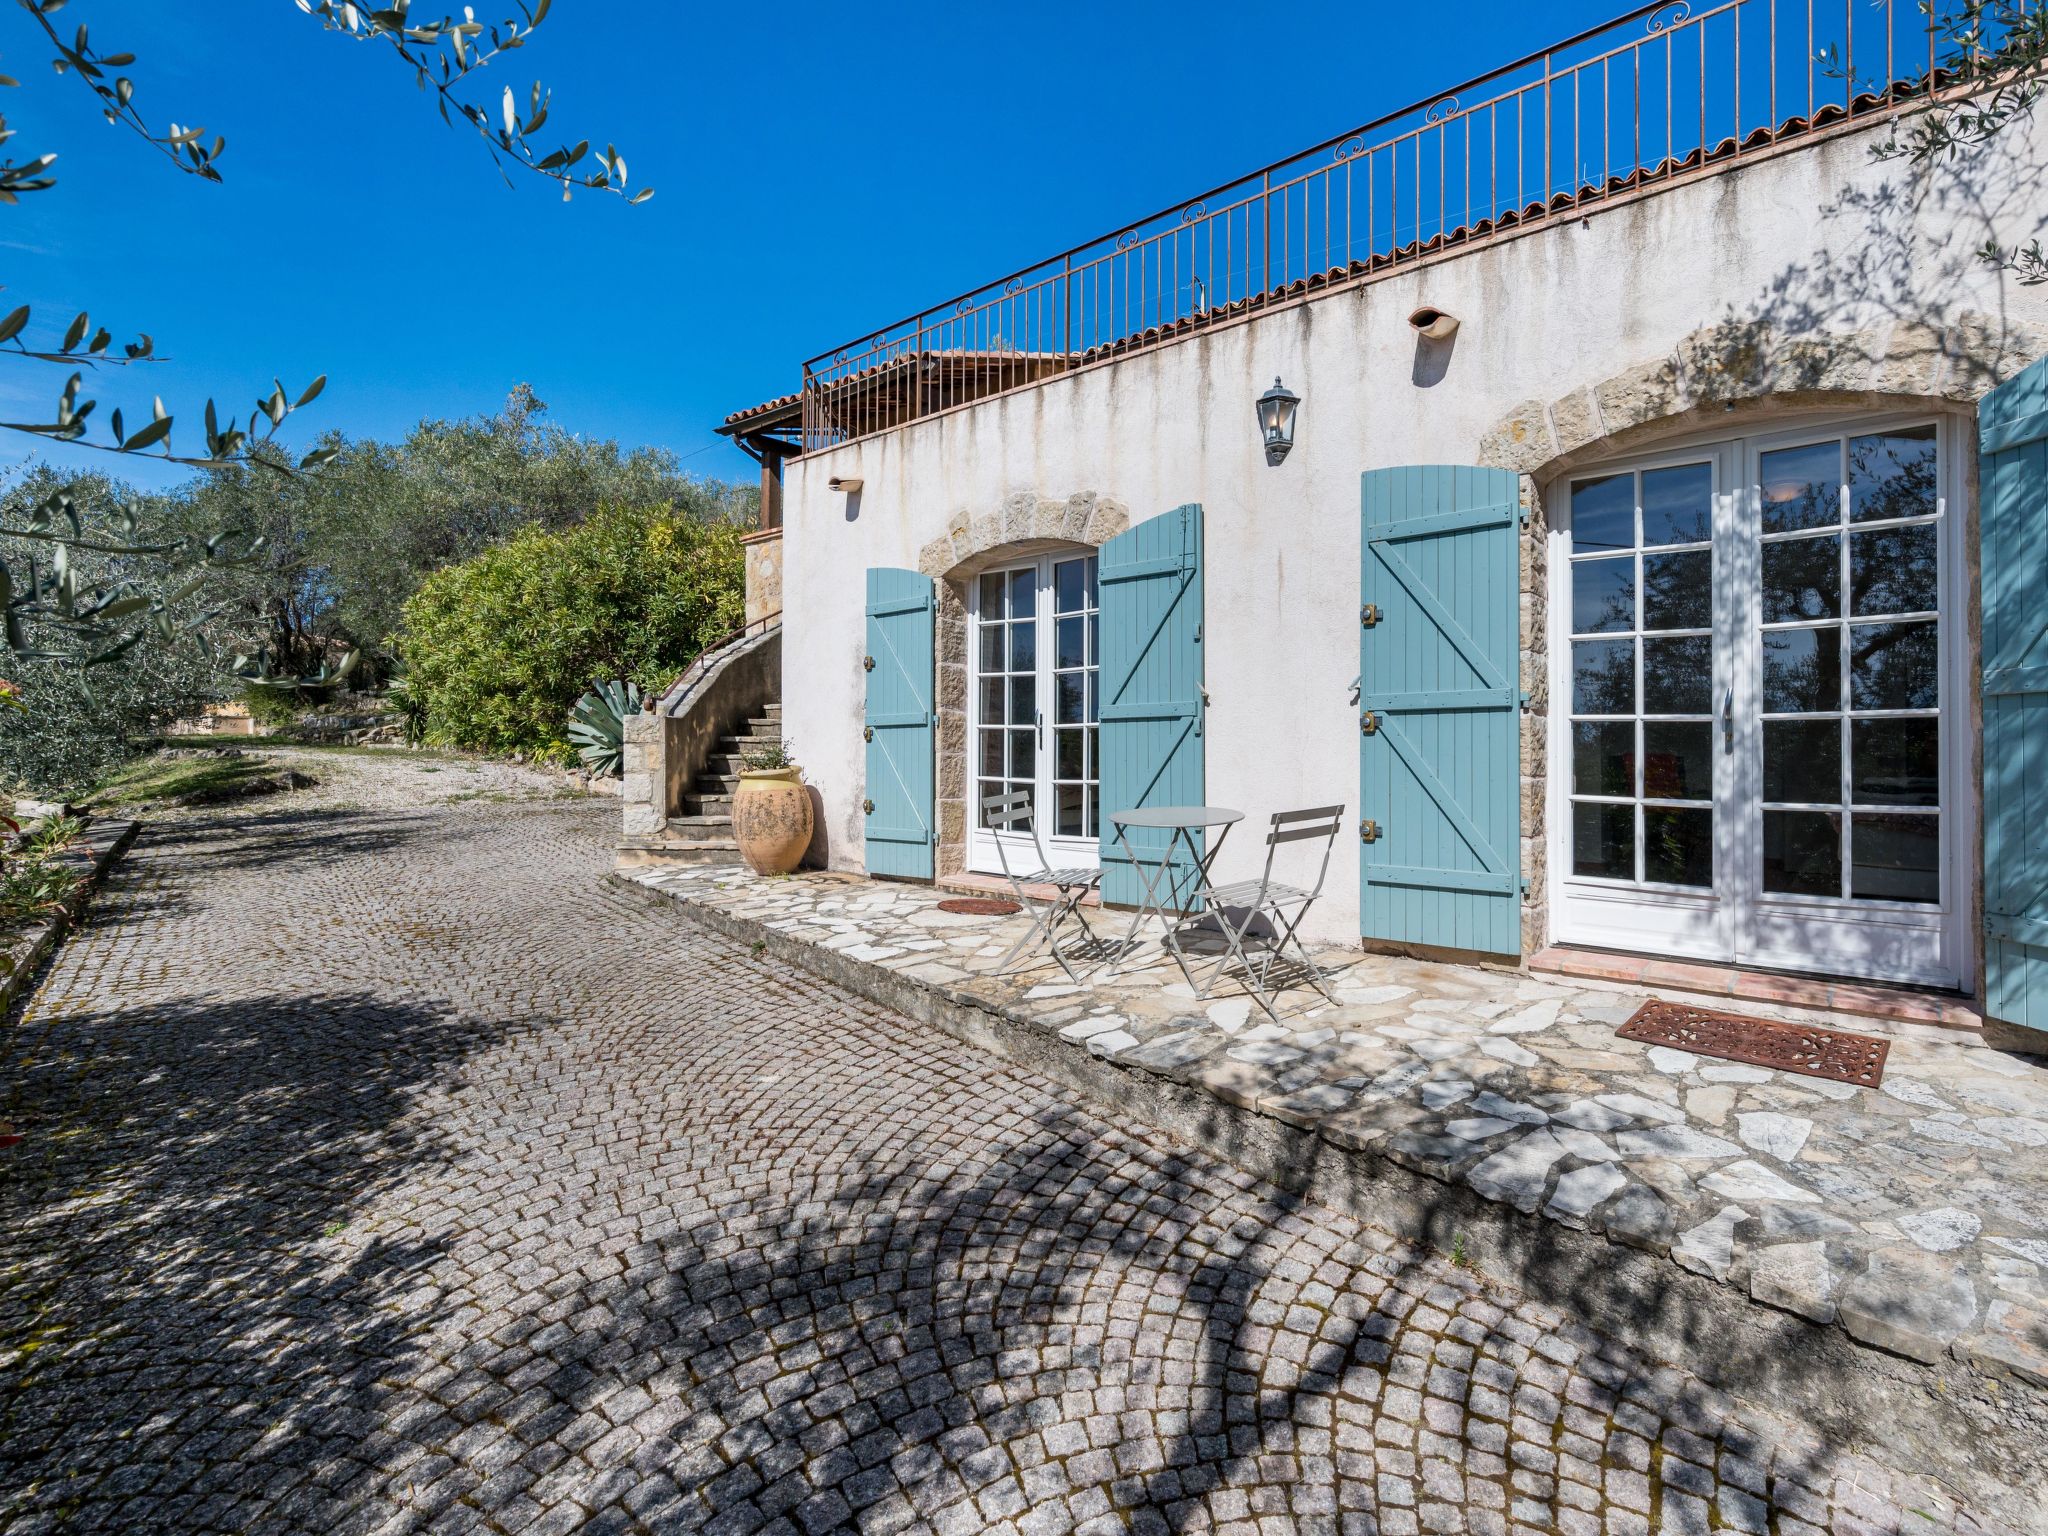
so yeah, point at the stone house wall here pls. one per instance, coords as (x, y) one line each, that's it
(1820, 280)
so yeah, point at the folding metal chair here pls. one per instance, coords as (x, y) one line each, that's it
(1003, 813)
(1236, 906)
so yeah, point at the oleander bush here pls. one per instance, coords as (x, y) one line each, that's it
(500, 647)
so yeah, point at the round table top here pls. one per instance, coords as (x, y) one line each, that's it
(1178, 816)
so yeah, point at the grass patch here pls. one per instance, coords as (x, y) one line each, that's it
(152, 780)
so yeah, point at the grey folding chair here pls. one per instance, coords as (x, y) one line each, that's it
(1003, 814)
(1237, 906)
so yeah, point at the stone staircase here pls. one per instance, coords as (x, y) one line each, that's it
(702, 833)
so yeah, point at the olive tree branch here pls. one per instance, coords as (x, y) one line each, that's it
(186, 148)
(443, 54)
(225, 445)
(82, 343)
(2002, 44)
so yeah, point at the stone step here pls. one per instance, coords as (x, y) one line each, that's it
(735, 744)
(700, 830)
(723, 764)
(772, 711)
(715, 851)
(714, 804)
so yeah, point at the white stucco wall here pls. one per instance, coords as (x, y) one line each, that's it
(1823, 241)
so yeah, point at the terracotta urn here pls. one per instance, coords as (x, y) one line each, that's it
(771, 819)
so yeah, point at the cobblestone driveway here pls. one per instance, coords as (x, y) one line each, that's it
(392, 1171)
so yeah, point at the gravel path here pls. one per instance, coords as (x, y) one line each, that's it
(387, 1169)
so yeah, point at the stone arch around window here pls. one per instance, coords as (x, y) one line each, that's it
(1733, 375)
(1025, 524)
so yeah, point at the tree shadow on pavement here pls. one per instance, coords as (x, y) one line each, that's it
(185, 1309)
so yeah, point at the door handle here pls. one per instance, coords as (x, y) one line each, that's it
(1040, 715)
(1728, 722)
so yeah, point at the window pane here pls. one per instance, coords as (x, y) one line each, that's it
(1604, 841)
(1678, 676)
(1071, 653)
(1023, 701)
(1023, 755)
(1803, 762)
(1892, 570)
(1070, 586)
(1898, 858)
(1891, 474)
(1895, 762)
(991, 595)
(1604, 513)
(1604, 677)
(1072, 819)
(1678, 504)
(1678, 846)
(1802, 487)
(1803, 579)
(991, 647)
(992, 753)
(1803, 853)
(1094, 709)
(1094, 640)
(1024, 593)
(1023, 646)
(1604, 757)
(1071, 763)
(1069, 698)
(1678, 761)
(1802, 671)
(1678, 590)
(991, 701)
(1089, 566)
(1895, 666)
(1603, 595)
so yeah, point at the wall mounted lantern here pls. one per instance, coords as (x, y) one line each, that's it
(1276, 420)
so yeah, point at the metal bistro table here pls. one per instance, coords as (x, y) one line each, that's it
(1164, 894)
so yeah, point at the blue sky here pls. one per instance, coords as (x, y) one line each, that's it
(821, 170)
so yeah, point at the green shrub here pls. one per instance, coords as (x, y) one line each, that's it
(498, 648)
(273, 707)
(80, 724)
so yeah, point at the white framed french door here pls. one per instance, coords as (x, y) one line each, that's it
(1758, 693)
(1032, 706)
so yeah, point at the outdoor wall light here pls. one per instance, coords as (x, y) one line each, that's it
(1276, 420)
(849, 484)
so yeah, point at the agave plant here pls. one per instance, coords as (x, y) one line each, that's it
(597, 725)
(411, 707)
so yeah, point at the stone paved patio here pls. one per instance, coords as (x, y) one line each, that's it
(1915, 1219)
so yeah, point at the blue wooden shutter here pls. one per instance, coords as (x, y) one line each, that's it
(1440, 770)
(2012, 426)
(1150, 753)
(899, 724)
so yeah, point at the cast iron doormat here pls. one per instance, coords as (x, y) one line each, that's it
(1800, 1048)
(977, 906)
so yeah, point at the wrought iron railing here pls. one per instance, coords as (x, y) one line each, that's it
(1665, 91)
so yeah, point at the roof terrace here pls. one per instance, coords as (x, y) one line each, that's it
(1659, 96)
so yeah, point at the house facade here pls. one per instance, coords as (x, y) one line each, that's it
(1656, 566)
